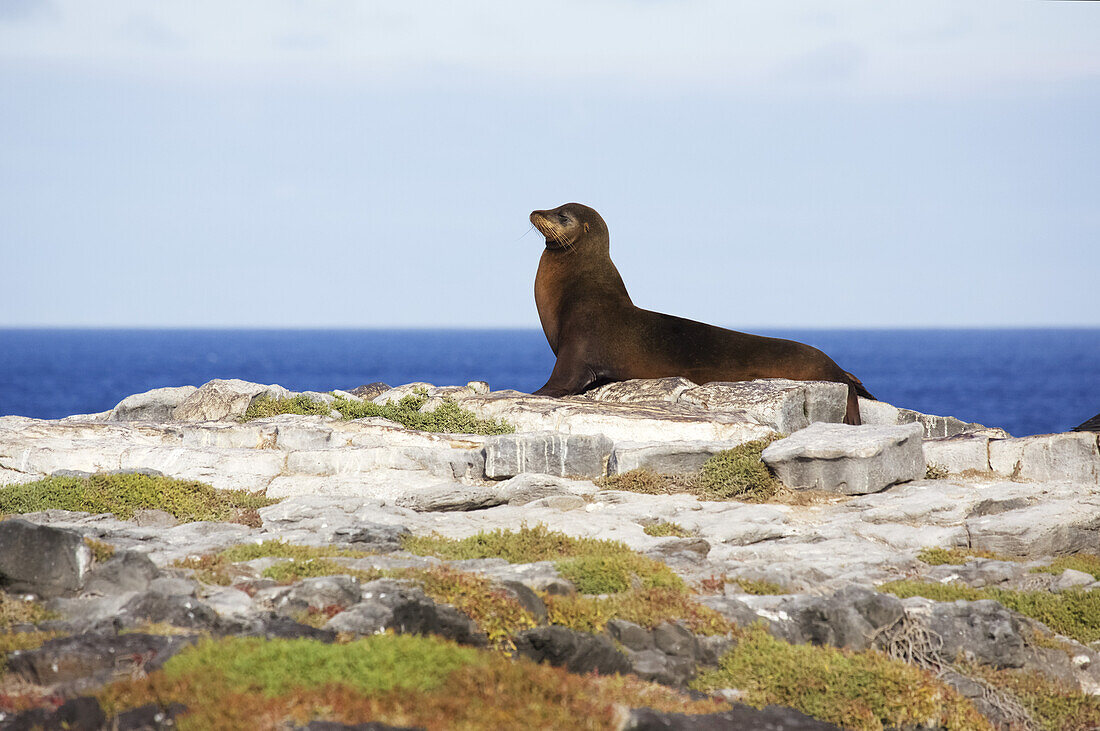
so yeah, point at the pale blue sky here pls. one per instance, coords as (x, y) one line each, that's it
(355, 164)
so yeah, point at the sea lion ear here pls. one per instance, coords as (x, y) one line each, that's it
(586, 228)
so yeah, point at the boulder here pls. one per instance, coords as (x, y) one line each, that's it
(577, 652)
(370, 391)
(668, 458)
(224, 399)
(41, 560)
(957, 454)
(1070, 456)
(93, 655)
(981, 631)
(851, 617)
(848, 460)
(564, 455)
(1051, 527)
(451, 497)
(156, 405)
(123, 572)
(784, 405)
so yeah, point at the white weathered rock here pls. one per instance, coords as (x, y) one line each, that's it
(1072, 579)
(641, 390)
(564, 455)
(155, 405)
(785, 405)
(397, 393)
(663, 457)
(849, 460)
(452, 496)
(637, 422)
(1055, 526)
(1068, 456)
(883, 414)
(224, 399)
(958, 454)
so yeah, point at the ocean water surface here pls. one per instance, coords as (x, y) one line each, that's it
(1025, 381)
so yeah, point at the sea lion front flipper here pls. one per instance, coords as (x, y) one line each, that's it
(571, 375)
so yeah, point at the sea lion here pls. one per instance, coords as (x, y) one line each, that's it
(599, 336)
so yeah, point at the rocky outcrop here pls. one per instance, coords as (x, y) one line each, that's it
(367, 483)
(848, 460)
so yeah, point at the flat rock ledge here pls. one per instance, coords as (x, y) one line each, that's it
(891, 489)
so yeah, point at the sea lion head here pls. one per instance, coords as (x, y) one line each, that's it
(571, 227)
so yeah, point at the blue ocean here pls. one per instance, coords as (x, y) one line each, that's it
(1025, 381)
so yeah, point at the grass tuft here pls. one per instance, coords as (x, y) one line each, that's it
(864, 691)
(398, 680)
(665, 528)
(734, 474)
(124, 494)
(449, 417)
(955, 556)
(1072, 613)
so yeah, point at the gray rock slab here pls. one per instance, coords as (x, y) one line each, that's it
(663, 457)
(849, 460)
(573, 455)
(1049, 528)
(155, 405)
(450, 497)
(957, 454)
(1069, 456)
(880, 413)
(785, 405)
(40, 559)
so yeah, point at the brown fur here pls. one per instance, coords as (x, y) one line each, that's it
(599, 336)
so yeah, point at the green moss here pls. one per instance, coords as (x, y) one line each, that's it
(1086, 562)
(738, 474)
(646, 482)
(275, 667)
(665, 528)
(398, 680)
(265, 406)
(123, 495)
(759, 587)
(616, 572)
(734, 474)
(209, 569)
(1053, 708)
(646, 607)
(14, 610)
(282, 549)
(296, 569)
(595, 566)
(495, 612)
(860, 691)
(1071, 613)
(954, 556)
(101, 551)
(449, 417)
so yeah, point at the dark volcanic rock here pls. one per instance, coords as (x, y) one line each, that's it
(276, 627)
(41, 560)
(739, 718)
(850, 618)
(178, 610)
(149, 717)
(577, 652)
(983, 631)
(125, 571)
(75, 714)
(96, 656)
